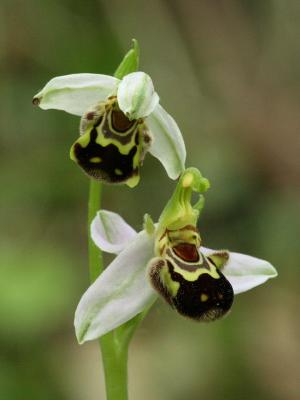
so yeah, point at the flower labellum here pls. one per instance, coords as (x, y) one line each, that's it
(111, 147)
(190, 282)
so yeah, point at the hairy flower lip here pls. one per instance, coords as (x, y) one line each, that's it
(76, 93)
(109, 302)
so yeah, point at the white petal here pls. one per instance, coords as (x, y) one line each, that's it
(136, 95)
(168, 145)
(245, 272)
(120, 292)
(75, 93)
(110, 232)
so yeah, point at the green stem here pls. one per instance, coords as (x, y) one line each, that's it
(95, 254)
(114, 358)
(114, 345)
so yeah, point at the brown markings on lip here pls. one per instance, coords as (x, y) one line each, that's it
(155, 267)
(186, 252)
(111, 161)
(90, 115)
(111, 132)
(188, 302)
(120, 122)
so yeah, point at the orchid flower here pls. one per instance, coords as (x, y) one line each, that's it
(164, 259)
(121, 120)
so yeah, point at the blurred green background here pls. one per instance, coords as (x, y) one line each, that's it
(228, 71)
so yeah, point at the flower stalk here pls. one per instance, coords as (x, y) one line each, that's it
(114, 358)
(114, 352)
(95, 254)
(114, 345)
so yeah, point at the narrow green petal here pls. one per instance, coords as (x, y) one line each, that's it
(75, 93)
(168, 145)
(130, 62)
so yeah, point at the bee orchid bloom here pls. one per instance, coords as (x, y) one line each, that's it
(166, 259)
(121, 120)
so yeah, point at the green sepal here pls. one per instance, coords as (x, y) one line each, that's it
(130, 62)
(149, 224)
